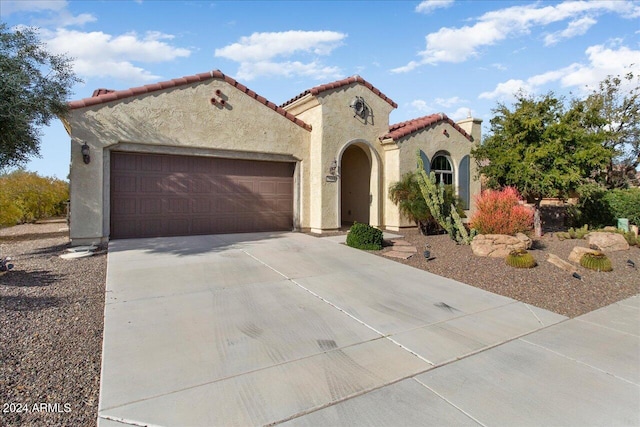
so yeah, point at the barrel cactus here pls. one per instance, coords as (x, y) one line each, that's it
(596, 261)
(520, 258)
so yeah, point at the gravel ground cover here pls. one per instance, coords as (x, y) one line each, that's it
(51, 315)
(545, 286)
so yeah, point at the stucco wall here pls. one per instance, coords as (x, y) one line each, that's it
(182, 121)
(440, 138)
(330, 111)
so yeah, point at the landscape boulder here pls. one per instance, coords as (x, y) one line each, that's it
(577, 253)
(607, 242)
(496, 245)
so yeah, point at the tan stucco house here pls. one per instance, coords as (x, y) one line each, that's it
(204, 154)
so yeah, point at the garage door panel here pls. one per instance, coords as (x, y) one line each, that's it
(180, 206)
(125, 206)
(166, 195)
(150, 184)
(150, 163)
(150, 206)
(149, 227)
(123, 163)
(125, 184)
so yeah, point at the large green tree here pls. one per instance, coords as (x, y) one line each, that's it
(34, 87)
(542, 148)
(617, 103)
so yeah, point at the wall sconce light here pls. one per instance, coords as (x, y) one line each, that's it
(86, 158)
(333, 168)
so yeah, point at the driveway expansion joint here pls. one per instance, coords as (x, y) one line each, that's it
(580, 362)
(382, 335)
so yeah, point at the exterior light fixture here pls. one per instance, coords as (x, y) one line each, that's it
(86, 158)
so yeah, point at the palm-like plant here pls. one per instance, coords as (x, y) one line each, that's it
(407, 195)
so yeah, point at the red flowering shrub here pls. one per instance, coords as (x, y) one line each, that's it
(500, 212)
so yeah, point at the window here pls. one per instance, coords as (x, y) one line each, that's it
(441, 166)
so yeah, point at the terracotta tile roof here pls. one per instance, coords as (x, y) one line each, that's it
(101, 96)
(344, 82)
(402, 129)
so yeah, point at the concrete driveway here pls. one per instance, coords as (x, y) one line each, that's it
(258, 329)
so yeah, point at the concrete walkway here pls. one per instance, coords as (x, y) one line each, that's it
(259, 329)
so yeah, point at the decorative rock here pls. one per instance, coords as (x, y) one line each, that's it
(607, 242)
(577, 253)
(409, 249)
(397, 254)
(495, 245)
(560, 263)
(526, 239)
(400, 243)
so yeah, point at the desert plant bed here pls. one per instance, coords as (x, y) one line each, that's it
(545, 286)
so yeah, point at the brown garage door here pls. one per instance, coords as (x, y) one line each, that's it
(164, 195)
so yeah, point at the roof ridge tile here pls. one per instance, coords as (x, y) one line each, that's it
(339, 83)
(102, 96)
(402, 129)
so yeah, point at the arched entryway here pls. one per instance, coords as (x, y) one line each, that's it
(355, 185)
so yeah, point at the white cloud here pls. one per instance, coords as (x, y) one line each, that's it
(257, 53)
(460, 44)
(428, 6)
(507, 89)
(439, 104)
(461, 113)
(10, 7)
(100, 54)
(56, 12)
(577, 27)
(249, 71)
(421, 106)
(602, 62)
(449, 102)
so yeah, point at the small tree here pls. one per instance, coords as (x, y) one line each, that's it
(541, 149)
(616, 105)
(34, 86)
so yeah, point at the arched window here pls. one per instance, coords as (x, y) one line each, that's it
(441, 166)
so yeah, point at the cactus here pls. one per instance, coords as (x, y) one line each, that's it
(596, 261)
(434, 197)
(520, 258)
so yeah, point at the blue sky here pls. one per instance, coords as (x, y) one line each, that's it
(445, 56)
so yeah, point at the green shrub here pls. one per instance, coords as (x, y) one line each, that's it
(624, 204)
(27, 197)
(574, 233)
(600, 207)
(520, 258)
(596, 261)
(363, 236)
